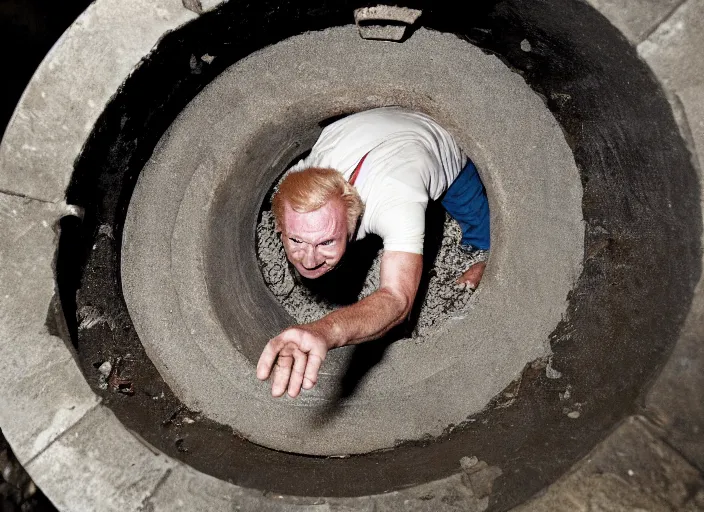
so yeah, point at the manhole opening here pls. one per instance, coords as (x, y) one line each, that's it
(357, 275)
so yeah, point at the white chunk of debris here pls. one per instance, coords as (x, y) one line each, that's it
(91, 316)
(468, 462)
(550, 372)
(105, 230)
(105, 368)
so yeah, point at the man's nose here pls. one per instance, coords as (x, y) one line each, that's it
(310, 259)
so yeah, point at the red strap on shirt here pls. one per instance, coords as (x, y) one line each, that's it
(353, 178)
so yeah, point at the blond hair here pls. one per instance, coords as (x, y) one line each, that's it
(307, 190)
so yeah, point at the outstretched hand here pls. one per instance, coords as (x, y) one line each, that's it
(295, 357)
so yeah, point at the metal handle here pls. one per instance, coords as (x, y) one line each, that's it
(384, 22)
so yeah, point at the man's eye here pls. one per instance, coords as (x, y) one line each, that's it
(295, 240)
(328, 242)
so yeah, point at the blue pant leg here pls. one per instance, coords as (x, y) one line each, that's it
(466, 201)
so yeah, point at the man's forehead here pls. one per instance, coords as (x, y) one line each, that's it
(325, 219)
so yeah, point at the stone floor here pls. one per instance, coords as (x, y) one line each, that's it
(647, 475)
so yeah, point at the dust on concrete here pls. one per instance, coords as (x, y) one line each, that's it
(440, 298)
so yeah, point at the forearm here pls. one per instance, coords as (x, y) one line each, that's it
(368, 319)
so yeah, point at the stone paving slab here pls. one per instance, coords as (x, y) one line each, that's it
(187, 489)
(692, 101)
(631, 470)
(674, 49)
(99, 465)
(42, 391)
(72, 87)
(636, 19)
(42, 406)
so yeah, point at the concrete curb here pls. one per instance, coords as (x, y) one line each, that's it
(68, 441)
(71, 87)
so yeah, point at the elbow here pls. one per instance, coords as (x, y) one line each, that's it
(402, 305)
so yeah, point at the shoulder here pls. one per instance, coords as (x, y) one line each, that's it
(400, 225)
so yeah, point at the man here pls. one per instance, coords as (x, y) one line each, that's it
(370, 172)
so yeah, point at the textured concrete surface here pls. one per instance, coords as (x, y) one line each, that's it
(99, 465)
(673, 50)
(42, 391)
(636, 19)
(631, 470)
(70, 90)
(173, 295)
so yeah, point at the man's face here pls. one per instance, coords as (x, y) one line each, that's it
(315, 241)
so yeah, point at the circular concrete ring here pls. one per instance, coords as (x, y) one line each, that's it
(60, 446)
(189, 255)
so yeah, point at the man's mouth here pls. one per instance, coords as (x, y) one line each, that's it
(313, 269)
(312, 273)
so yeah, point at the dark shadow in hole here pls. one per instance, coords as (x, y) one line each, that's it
(381, 23)
(435, 217)
(329, 120)
(71, 258)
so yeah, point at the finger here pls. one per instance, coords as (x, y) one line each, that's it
(266, 360)
(296, 379)
(282, 372)
(307, 383)
(314, 363)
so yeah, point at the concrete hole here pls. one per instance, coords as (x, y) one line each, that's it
(195, 207)
(358, 274)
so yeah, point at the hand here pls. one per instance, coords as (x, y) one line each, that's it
(298, 352)
(472, 275)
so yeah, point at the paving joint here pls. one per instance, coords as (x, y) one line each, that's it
(24, 196)
(63, 434)
(146, 505)
(646, 416)
(662, 21)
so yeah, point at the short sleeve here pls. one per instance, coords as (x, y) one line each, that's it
(402, 227)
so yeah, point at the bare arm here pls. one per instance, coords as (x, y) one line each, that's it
(375, 315)
(301, 349)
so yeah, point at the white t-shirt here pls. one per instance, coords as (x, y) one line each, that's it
(411, 159)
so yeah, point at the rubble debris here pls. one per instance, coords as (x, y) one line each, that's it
(479, 476)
